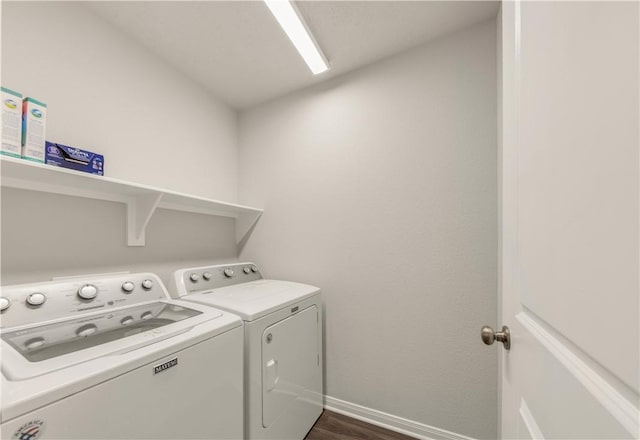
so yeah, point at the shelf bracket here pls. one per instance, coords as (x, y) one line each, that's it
(139, 211)
(245, 223)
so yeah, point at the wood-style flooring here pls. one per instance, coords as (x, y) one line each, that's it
(334, 426)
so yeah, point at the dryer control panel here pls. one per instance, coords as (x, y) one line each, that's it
(197, 279)
(39, 302)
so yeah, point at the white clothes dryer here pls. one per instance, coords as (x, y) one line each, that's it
(283, 344)
(114, 357)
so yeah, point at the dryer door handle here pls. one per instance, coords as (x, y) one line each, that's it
(272, 375)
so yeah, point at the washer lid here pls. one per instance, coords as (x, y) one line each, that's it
(255, 299)
(48, 341)
(98, 342)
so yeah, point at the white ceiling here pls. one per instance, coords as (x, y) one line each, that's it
(237, 50)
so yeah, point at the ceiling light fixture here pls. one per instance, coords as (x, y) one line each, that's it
(287, 15)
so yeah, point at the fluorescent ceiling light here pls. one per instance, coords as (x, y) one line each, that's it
(292, 23)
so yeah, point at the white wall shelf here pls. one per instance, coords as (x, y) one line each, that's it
(141, 200)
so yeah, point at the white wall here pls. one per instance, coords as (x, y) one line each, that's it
(108, 94)
(48, 235)
(380, 187)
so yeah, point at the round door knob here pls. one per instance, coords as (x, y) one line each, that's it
(489, 336)
(128, 286)
(36, 299)
(88, 291)
(147, 284)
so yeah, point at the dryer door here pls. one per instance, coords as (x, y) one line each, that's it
(291, 372)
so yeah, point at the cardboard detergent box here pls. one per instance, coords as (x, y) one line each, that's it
(34, 118)
(11, 115)
(74, 158)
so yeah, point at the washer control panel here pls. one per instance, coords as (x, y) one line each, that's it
(41, 342)
(31, 303)
(210, 277)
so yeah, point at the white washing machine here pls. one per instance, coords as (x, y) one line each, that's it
(283, 344)
(113, 357)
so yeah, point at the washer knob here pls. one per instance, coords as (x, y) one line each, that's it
(128, 286)
(194, 277)
(228, 272)
(146, 315)
(254, 268)
(246, 270)
(207, 276)
(4, 303)
(86, 330)
(88, 291)
(34, 343)
(147, 284)
(36, 299)
(126, 320)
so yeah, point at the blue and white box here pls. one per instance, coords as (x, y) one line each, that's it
(74, 158)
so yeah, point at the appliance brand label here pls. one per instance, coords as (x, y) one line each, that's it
(30, 430)
(165, 366)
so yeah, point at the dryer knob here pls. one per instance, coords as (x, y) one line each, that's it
(194, 277)
(126, 320)
(36, 299)
(147, 284)
(254, 268)
(146, 315)
(88, 291)
(4, 303)
(246, 270)
(207, 276)
(228, 272)
(128, 286)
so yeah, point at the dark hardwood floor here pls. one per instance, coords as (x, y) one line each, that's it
(334, 426)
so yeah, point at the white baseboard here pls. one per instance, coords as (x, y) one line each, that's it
(389, 421)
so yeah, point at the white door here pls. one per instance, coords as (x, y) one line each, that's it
(569, 219)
